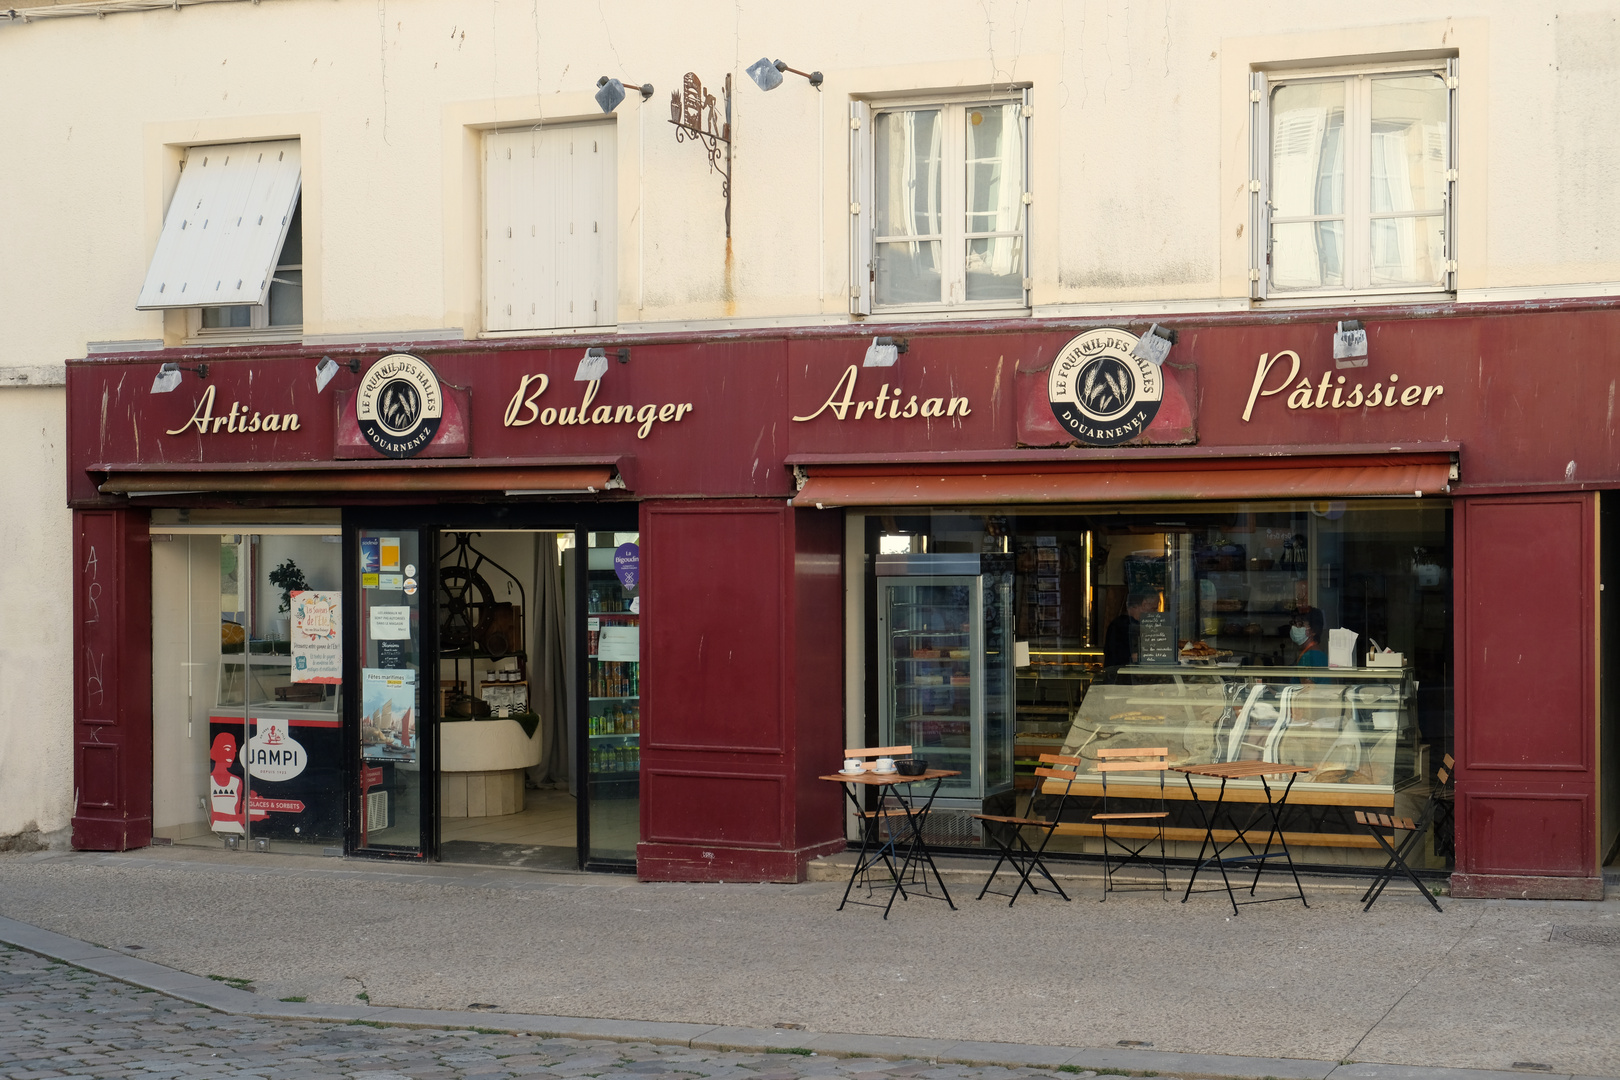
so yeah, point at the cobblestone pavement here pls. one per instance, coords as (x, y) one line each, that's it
(58, 1020)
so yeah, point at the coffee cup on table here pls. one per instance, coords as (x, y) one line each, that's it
(852, 764)
(885, 764)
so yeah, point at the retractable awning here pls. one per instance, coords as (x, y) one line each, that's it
(539, 478)
(947, 483)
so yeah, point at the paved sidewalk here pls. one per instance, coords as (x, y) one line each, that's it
(1509, 987)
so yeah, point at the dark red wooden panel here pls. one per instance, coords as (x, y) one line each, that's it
(817, 654)
(1527, 623)
(1522, 832)
(713, 807)
(112, 680)
(1526, 634)
(98, 775)
(714, 641)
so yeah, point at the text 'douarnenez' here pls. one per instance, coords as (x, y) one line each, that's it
(1100, 393)
(399, 405)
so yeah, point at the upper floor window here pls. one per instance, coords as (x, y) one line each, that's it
(550, 241)
(231, 250)
(1356, 181)
(939, 205)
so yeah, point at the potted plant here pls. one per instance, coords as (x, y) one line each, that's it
(289, 579)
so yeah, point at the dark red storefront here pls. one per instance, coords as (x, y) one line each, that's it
(738, 454)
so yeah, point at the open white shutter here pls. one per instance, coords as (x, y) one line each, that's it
(1025, 111)
(860, 208)
(1450, 224)
(225, 226)
(1259, 185)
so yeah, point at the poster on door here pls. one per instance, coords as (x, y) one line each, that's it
(317, 637)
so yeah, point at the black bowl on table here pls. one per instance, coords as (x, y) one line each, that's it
(911, 766)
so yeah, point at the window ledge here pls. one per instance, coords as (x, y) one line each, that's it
(1356, 299)
(281, 335)
(917, 314)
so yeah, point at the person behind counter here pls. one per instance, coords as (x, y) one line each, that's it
(1122, 642)
(1307, 631)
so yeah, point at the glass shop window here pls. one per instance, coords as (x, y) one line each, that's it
(247, 661)
(1313, 633)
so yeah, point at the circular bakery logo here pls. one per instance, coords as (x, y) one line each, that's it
(1100, 393)
(399, 405)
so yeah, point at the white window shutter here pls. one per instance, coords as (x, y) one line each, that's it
(225, 226)
(550, 222)
(860, 208)
(1259, 185)
(1024, 115)
(1450, 222)
(505, 154)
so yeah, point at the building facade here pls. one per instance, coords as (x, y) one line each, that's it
(868, 336)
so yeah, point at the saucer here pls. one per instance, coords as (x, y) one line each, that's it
(851, 772)
(885, 772)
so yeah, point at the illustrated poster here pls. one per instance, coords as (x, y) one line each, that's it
(387, 710)
(317, 637)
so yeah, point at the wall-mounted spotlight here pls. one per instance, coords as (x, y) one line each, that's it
(1350, 344)
(168, 376)
(1154, 346)
(767, 73)
(329, 367)
(610, 92)
(884, 351)
(594, 364)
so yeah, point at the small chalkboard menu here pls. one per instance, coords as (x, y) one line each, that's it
(1157, 644)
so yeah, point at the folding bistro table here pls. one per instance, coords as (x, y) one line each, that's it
(1272, 808)
(875, 848)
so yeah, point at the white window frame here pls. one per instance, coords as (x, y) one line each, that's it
(1357, 215)
(259, 331)
(953, 215)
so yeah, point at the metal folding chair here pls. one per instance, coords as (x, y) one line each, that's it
(1015, 849)
(1151, 822)
(883, 848)
(1376, 824)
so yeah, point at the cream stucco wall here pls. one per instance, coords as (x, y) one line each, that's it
(1139, 148)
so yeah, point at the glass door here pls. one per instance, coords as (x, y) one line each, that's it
(612, 743)
(394, 713)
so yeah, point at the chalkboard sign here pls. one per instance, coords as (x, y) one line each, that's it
(1158, 640)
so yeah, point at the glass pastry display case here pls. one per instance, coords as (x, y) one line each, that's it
(1353, 728)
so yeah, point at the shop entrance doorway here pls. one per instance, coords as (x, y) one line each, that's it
(538, 698)
(498, 688)
(508, 793)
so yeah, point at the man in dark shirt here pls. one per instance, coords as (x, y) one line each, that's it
(1121, 644)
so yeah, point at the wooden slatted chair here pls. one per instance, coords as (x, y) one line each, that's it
(1437, 810)
(1128, 759)
(1015, 849)
(1378, 824)
(1443, 799)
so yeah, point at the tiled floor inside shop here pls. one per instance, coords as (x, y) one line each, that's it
(543, 835)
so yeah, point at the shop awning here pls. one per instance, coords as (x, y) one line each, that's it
(1038, 481)
(546, 478)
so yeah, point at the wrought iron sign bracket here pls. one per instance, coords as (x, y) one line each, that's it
(696, 117)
